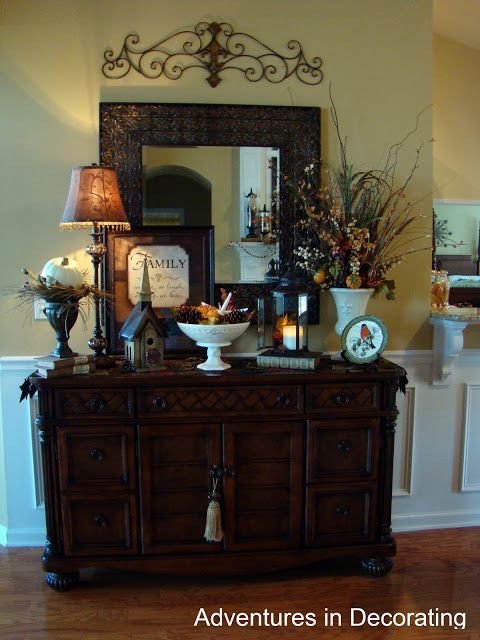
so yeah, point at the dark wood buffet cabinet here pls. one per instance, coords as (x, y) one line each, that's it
(303, 461)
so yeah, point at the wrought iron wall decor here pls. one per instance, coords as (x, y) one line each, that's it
(216, 48)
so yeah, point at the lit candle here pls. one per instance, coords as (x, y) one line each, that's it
(290, 336)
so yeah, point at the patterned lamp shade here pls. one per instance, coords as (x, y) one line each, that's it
(94, 200)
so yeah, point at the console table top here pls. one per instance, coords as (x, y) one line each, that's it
(243, 370)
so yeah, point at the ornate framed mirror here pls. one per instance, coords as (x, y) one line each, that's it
(126, 129)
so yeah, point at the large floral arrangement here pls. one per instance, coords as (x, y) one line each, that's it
(352, 231)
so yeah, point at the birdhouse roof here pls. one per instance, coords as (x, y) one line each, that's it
(137, 321)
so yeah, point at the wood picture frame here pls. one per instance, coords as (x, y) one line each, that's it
(181, 270)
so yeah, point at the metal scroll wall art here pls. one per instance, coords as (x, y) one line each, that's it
(215, 48)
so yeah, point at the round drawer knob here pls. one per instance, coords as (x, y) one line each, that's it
(343, 398)
(344, 446)
(342, 510)
(97, 454)
(95, 405)
(100, 520)
(283, 399)
(160, 403)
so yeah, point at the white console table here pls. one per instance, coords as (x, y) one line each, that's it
(448, 328)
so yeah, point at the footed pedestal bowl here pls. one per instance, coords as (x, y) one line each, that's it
(213, 337)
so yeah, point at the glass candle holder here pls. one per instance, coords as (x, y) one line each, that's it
(440, 290)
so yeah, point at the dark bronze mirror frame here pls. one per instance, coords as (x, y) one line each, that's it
(126, 127)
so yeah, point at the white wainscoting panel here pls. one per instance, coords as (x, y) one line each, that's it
(436, 499)
(23, 515)
(470, 454)
(36, 455)
(402, 468)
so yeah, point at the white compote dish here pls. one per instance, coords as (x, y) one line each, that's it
(213, 337)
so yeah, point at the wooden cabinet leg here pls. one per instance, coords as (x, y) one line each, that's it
(62, 581)
(377, 567)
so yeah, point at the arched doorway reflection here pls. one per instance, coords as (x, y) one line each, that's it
(177, 195)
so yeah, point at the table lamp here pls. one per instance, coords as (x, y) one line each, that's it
(94, 202)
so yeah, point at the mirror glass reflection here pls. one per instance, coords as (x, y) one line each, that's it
(235, 189)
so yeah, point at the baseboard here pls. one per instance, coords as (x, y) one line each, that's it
(441, 520)
(29, 537)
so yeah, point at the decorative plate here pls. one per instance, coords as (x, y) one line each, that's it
(364, 339)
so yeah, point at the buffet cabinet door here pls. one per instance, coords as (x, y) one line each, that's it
(263, 484)
(175, 463)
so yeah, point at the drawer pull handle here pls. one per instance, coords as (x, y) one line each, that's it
(95, 405)
(283, 399)
(344, 446)
(100, 520)
(229, 471)
(343, 398)
(97, 454)
(215, 471)
(160, 403)
(221, 472)
(342, 510)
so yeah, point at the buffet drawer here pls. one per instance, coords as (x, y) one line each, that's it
(357, 396)
(100, 525)
(340, 516)
(96, 457)
(221, 402)
(342, 449)
(74, 403)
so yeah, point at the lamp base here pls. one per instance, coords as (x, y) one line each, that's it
(62, 317)
(102, 361)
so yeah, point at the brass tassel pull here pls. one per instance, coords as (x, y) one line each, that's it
(213, 525)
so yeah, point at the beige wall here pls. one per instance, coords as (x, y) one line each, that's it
(456, 121)
(456, 151)
(377, 55)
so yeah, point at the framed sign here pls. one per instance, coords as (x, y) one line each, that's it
(180, 268)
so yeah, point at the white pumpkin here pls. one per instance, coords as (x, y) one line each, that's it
(62, 271)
